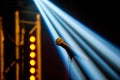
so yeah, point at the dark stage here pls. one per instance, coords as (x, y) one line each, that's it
(100, 16)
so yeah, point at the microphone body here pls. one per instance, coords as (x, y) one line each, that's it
(60, 42)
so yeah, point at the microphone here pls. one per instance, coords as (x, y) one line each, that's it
(70, 51)
(62, 43)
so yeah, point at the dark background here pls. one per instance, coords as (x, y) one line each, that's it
(100, 16)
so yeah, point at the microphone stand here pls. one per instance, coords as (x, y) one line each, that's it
(73, 57)
(70, 58)
(69, 67)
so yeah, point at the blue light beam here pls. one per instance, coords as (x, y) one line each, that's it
(52, 31)
(109, 52)
(54, 38)
(91, 66)
(91, 53)
(88, 35)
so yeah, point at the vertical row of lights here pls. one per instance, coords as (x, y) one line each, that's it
(32, 46)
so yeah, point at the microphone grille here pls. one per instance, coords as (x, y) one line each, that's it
(59, 41)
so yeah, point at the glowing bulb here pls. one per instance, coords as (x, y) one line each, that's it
(32, 77)
(32, 39)
(32, 62)
(32, 46)
(32, 54)
(32, 70)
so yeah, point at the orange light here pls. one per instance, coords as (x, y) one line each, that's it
(32, 54)
(32, 77)
(32, 39)
(32, 62)
(32, 70)
(32, 46)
